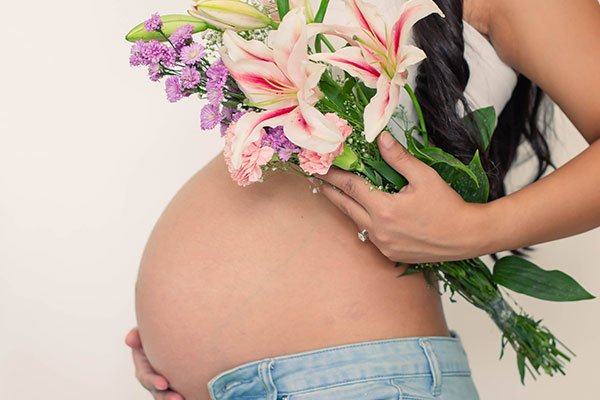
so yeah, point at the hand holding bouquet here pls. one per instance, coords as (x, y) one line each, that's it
(287, 99)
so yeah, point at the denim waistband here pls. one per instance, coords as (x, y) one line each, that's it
(396, 357)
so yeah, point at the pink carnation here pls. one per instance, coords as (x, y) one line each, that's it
(319, 163)
(253, 158)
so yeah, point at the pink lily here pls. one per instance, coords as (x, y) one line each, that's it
(283, 82)
(379, 55)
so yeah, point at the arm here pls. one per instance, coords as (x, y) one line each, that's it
(557, 45)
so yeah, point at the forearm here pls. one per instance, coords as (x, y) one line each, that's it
(564, 203)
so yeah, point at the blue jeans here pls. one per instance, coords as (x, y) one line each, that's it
(416, 368)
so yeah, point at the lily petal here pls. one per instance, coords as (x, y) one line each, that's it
(306, 127)
(262, 82)
(381, 107)
(369, 19)
(412, 11)
(241, 49)
(290, 44)
(247, 130)
(351, 60)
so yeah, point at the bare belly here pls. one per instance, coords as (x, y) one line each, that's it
(232, 275)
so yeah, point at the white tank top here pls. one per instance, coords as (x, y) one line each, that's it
(491, 81)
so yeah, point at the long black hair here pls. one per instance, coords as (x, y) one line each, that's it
(440, 84)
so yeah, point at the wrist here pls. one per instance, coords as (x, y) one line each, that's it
(489, 228)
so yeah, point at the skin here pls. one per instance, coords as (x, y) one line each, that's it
(415, 224)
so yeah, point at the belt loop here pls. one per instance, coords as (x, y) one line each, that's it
(434, 366)
(264, 373)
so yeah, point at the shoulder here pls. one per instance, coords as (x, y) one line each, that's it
(555, 44)
(514, 26)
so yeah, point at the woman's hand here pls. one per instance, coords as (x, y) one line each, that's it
(156, 384)
(427, 221)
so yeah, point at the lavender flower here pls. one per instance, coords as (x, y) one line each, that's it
(153, 51)
(173, 89)
(192, 54)
(153, 24)
(181, 35)
(216, 76)
(210, 116)
(190, 77)
(214, 93)
(169, 58)
(136, 58)
(154, 72)
(217, 73)
(276, 139)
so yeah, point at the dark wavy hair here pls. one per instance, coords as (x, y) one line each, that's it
(440, 84)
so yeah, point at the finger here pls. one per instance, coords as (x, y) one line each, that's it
(347, 205)
(168, 395)
(351, 184)
(146, 374)
(401, 160)
(133, 339)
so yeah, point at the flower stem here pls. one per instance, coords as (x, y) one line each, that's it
(423, 128)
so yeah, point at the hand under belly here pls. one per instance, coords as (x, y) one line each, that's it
(232, 275)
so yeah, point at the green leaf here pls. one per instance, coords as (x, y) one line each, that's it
(445, 164)
(483, 122)
(390, 174)
(523, 276)
(465, 186)
(170, 23)
(521, 366)
(283, 7)
(331, 90)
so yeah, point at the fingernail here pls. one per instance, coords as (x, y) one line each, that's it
(387, 140)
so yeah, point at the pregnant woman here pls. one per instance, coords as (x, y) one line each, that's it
(265, 292)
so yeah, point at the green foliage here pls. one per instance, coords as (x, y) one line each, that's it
(170, 23)
(525, 277)
(482, 123)
(283, 7)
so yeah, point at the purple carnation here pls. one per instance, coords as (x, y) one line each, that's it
(190, 77)
(153, 24)
(276, 139)
(210, 116)
(214, 93)
(181, 35)
(153, 51)
(173, 89)
(217, 73)
(137, 58)
(169, 57)
(192, 54)
(154, 72)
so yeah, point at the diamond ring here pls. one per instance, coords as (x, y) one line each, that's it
(363, 235)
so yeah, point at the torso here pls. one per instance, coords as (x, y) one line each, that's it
(231, 275)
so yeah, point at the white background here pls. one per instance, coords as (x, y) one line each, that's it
(92, 152)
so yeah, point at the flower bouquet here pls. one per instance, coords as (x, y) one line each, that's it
(287, 99)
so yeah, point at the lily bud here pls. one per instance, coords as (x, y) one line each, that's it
(230, 14)
(170, 23)
(348, 160)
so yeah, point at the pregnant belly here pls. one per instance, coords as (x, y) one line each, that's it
(232, 275)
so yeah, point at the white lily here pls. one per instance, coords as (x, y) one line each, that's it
(230, 14)
(379, 55)
(282, 81)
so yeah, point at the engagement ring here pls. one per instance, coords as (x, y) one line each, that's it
(363, 235)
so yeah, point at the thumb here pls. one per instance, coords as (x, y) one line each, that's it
(399, 158)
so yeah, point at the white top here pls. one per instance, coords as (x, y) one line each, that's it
(491, 81)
